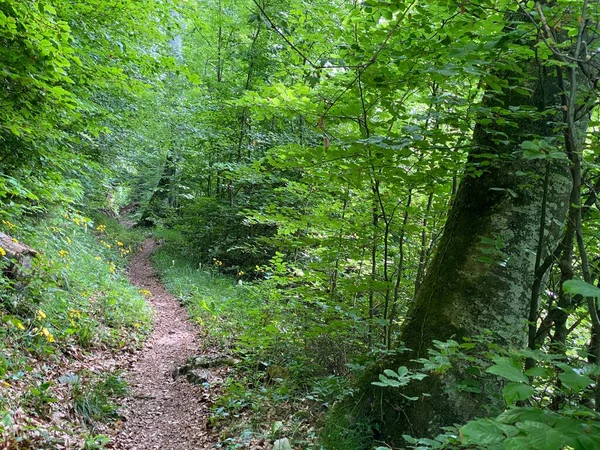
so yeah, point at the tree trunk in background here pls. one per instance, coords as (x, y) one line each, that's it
(481, 275)
(162, 196)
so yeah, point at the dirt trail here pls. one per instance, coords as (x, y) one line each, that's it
(163, 413)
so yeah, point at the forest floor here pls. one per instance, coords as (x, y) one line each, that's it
(162, 411)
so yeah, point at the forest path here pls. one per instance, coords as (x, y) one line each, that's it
(161, 412)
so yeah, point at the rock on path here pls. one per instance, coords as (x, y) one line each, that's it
(163, 413)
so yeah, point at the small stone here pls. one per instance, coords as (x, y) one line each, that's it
(197, 376)
(182, 370)
(282, 444)
(208, 361)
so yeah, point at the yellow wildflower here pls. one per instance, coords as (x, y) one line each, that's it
(20, 326)
(8, 224)
(74, 314)
(111, 267)
(68, 240)
(5, 383)
(46, 332)
(240, 273)
(119, 243)
(2, 252)
(63, 253)
(41, 314)
(98, 258)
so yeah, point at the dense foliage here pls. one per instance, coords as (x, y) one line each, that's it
(403, 195)
(69, 73)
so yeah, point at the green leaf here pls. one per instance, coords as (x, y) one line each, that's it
(7, 419)
(518, 443)
(530, 145)
(574, 381)
(540, 372)
(50, 9)
(591, 369)
(509, 369)
(541, 435)
(530, 154)
(514, 392)
(580, 287)
(402, 371)
(386, 382)
(588, 443)
(572, 429)
(483, 432)
(514, 415)
(409, 439)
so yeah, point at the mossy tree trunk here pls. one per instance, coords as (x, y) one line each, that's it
(481, 275)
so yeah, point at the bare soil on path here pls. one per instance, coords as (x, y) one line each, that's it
(162, 412)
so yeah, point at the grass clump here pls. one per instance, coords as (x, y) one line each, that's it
(94, 401)
(340, 430)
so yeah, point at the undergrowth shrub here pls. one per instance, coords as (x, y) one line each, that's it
(39, 398)
(75, 290)
(294, 352)
(214, 229)
(131, 237)
(343, 431)
(94, 400)
(547, 407)
(74, 299)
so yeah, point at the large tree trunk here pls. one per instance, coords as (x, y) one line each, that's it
(482, 272)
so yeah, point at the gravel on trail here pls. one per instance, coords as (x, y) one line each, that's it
(162, 412)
